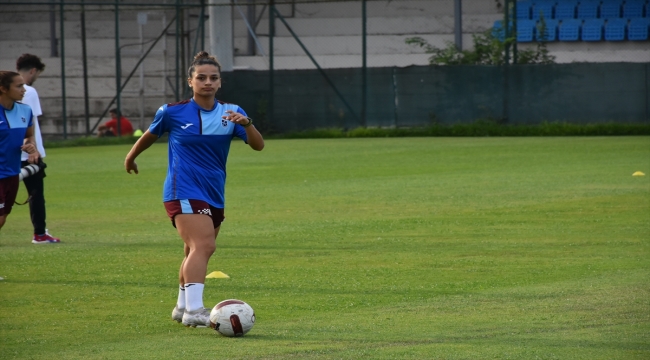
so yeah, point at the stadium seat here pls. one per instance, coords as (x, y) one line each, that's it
(592, 30)
(543, 9)
(565, 10)
(638, 29)
(523, 9)
(615, 29)
(634, 9)
(546, 30)
(498, 31)
(610, 9)
(588, 9)
(569, 30)
(525, 30)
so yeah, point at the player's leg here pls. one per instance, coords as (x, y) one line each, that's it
(35, 188)
(198, 233)
(179, 309)
(8, 193)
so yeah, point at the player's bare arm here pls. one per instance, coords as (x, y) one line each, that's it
(146, 140)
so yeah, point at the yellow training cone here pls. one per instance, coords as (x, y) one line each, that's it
(217, 275)
(638, 173)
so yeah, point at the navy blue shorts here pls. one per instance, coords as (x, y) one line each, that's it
(8, 192)
(187, 206)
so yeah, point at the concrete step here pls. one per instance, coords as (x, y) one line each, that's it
(384, 8)
(95, 29)
(394, 25)
(97, 48)
(153, 66)
(330, 61)
(351, 45)
(130, 105)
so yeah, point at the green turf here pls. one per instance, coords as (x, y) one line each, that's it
(411, 248)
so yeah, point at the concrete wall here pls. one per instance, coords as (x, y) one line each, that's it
(330, 31)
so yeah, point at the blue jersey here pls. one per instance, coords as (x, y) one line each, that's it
(13, 126)
(199, 142)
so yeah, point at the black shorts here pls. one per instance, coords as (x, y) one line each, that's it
(188, 206)
(8, 192)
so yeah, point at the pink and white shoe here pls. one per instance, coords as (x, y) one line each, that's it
(45, 239)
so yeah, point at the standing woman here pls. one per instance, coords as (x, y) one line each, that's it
(16, 135)
(200, 131)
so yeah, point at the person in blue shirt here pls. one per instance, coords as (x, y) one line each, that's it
(16, 135)
(200, 132)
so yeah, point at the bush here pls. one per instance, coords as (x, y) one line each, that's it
(90, 141)
(479, 128)
(488, 50)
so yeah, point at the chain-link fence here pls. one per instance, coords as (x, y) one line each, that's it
(133, 55)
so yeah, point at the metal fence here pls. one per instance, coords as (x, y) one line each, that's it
(133, 55)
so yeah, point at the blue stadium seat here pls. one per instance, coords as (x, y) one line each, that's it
(543, 9)
(615, 29)
(638, 29)
(525, 30)
(549, 32)
(565, 10)
(634, 9)
(588, 9)
(592, 30)
(498, 31)
(569, 30)
(610, 9)
(523, 9)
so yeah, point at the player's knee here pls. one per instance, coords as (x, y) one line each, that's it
(210, 248)
(2, 220)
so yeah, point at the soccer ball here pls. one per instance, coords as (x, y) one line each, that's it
(232, 318)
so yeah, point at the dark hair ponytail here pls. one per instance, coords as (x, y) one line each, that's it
(202, 58)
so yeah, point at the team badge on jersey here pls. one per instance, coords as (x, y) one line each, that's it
(23, 119)
(224, 123)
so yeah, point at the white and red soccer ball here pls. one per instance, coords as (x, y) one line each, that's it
(232, 318)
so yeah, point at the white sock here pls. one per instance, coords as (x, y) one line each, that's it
(193, 296)
(180, 303)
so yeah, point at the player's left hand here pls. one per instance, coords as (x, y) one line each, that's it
(235, 117)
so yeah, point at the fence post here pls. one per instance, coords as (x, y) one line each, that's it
(458, 24)
(514, 27)
(118, 67)
(84, 58)
(271, 79)
(63, 104)
(177, 90)
(507, 31)
(364, 64)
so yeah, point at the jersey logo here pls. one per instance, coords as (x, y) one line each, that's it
(224, 123)
(23, 119)
(186, 126)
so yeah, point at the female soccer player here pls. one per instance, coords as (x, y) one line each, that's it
(16, 135)
(200, 131)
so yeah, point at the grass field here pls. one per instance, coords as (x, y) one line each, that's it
(400, 248)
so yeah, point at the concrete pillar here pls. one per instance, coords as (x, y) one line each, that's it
(221, 33)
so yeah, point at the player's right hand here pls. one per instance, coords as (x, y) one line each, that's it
(130, 165)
